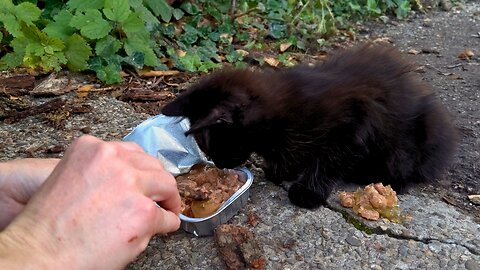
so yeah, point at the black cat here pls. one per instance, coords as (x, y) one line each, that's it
(361, 116)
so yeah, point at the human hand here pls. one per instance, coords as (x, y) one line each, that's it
(96, 209)
(19, 179)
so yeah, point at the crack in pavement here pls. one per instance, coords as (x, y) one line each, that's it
(391, 233)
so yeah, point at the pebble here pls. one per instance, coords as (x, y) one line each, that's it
(451, 263)
(472, 265)
(352, 240)
(403, 250)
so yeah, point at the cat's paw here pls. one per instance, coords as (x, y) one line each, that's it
(303, 197)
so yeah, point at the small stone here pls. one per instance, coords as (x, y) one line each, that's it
(352, 240)
(472, 265)
(86, 129)
(403, 251)
(427, 22)
(451, 263)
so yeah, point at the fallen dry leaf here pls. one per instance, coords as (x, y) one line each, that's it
(467, 54)
(285, 46)
(181, 53)
(227, 37)
(157, 73)
(413, 51)
(242, 52)
(475, 199)
(83, 90)
(454, 77)
(272, 61)
(383, 40)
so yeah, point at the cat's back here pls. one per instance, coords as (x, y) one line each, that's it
(372, 65)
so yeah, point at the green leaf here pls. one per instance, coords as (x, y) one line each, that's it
(190, 62)
(190, 8)
(77, 52)
(52, 8)
(136, 60)
(402, 10)
(10, 60)
(83, 5)
(190, 35)
(60, 27)
(117, 10)
(14, 59)
(233, 56)
(91, 24)
(178, 13)
(208, 65)
(37, 37)
(133, 23)
(6, 6)
(27, 12)
(277, 30)
(106, 72)
(107, 46)
(140, 42)
(109, 74)
(160, 8)
(146, 15)
(11, 24)
(373, 7)
(168, 30)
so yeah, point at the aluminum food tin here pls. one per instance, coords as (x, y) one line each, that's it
(205, 226)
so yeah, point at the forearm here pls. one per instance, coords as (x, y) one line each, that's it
(19, 250)
(19, 180)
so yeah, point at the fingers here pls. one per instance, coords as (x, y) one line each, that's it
(166, 221)
(161, 187)
(152, 179)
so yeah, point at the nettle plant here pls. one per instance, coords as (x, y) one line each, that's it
(100, 35)
(105, 35)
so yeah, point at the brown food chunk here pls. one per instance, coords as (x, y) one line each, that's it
(204, 189)
(369, 214)
(239, 247)
(373, 202)
(346, 199)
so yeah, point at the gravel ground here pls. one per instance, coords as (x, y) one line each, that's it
(440, 235)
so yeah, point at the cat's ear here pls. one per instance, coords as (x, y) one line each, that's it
(216, 116)
(179, 106)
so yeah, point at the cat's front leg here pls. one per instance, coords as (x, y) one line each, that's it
(311, 190)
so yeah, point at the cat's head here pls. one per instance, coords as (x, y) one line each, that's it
(217, 108)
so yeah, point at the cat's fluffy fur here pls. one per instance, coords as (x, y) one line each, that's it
(361, 116)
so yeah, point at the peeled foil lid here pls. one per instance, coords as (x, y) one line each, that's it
(163, 137)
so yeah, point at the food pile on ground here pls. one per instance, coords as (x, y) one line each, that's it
(373, 202)
(204, 189)
(239, 247)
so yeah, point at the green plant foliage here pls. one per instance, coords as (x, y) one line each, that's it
(91, 24)
(77, 52)
(105, 35)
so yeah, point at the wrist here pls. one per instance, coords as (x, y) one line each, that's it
(22, 249)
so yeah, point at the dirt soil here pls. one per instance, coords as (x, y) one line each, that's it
(446, 49)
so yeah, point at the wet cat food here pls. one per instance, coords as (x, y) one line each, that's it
(204, 189)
